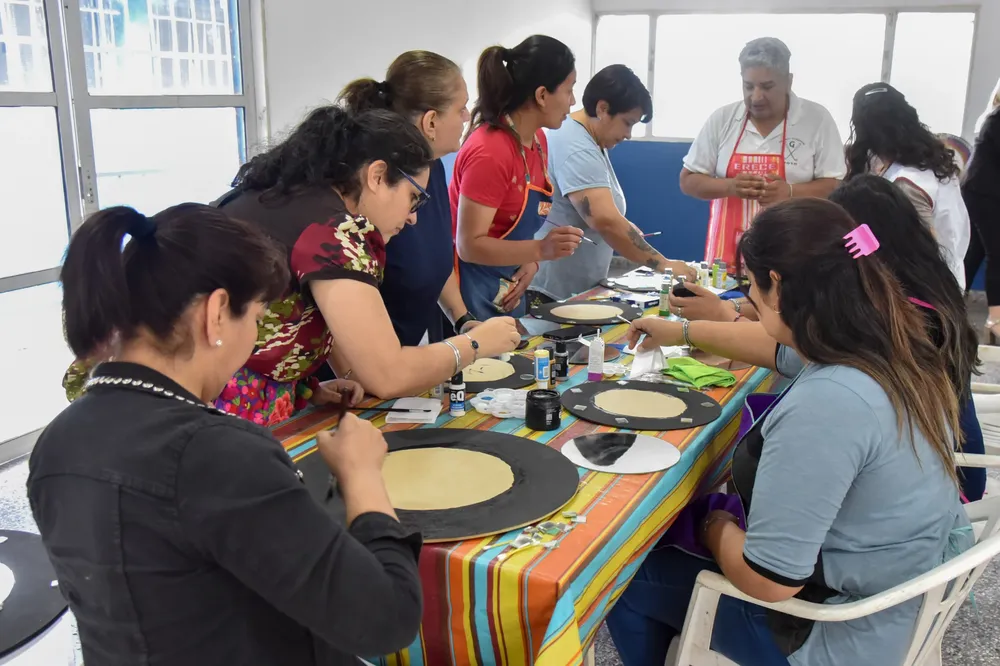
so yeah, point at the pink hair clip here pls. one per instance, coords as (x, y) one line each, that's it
(861, 242)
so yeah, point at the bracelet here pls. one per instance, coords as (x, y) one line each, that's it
(686, 333)
(475, 347)
(737, 306)
(738, 317)
(714, 519)
(458, 356)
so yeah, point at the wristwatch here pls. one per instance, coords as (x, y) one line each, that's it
(463, 320)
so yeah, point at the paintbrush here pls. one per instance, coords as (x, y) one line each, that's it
(547, 221)
(655, 233)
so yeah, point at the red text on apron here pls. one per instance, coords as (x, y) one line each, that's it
(732, 216)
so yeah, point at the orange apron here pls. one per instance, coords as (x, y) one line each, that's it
(731, 216)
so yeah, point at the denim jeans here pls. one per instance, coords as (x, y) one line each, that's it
(652, 610)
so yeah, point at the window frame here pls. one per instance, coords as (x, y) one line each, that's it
(891, 20)
(73, 102)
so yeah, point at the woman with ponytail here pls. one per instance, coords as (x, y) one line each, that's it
(182, 536)
(500, 193)
(846, 483)
(429, 91)
(332, 194)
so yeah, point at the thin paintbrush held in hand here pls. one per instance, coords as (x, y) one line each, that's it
(553, 224)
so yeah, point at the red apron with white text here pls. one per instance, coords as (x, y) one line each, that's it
(732, 216)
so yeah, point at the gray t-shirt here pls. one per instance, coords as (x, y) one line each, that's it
(837, 475)
(576, 163)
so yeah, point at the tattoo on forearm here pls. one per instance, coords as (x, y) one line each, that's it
(584, 208)
(639, 241)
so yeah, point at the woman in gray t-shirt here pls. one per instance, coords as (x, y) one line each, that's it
(849, 480)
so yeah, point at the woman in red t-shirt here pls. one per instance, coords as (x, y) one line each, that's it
(500, 193)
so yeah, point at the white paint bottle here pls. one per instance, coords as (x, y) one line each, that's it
(595, 361)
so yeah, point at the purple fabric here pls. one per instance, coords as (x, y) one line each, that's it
(685, 533)
(754, 407)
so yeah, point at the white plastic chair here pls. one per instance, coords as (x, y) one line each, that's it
(943, 590)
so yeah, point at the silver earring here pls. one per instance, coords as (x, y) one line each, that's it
(218, 343)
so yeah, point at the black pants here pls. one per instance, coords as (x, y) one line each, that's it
(984, 242)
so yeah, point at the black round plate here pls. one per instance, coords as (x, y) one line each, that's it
(701, 409)
(544, 311)
(34, 604)
(607, 284)
(524, 375)
(544, 482)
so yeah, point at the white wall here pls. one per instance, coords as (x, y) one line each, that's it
(985, 53)
(312, 48)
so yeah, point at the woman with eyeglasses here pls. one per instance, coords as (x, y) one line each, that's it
(889, 140)
(332, 194)
(500, 192)
(846, 483)
(429, 91)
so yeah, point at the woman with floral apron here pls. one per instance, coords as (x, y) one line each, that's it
(500, 192)
(769, 147)
(845, 482)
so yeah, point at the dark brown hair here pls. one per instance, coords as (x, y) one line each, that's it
(173, 258)
(416, 82)
(853, 312)
(508, 78)
(329, 148)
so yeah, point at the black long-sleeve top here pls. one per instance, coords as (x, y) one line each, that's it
(983, 175)
(184, 537)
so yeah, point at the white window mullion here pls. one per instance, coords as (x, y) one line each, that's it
(166, 101)
(890, 40)
(651, 71)
(77, 72)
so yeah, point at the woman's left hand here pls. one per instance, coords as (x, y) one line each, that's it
(338, 390)
(522, 280)
(704, 305)
(775, 191)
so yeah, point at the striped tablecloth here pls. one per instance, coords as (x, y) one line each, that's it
(544, 606)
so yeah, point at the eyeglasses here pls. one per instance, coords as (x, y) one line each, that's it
(422, 195)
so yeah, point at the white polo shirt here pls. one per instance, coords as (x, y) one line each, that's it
(813, 146)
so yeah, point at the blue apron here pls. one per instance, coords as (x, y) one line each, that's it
(484, 287)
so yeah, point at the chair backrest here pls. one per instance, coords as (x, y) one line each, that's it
(941, 603)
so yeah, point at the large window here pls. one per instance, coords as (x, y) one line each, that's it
(832, 56)
(143, 103)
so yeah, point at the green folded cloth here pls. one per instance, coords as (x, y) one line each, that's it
(697, 373)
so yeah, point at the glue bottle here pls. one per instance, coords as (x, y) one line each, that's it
(704, 275)
(560, 363)
(456, 397)
(665, 287)
(542, 368)
(595, 361)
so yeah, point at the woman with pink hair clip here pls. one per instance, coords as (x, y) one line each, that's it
(845, 482)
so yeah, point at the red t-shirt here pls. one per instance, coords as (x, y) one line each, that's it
(489, 170)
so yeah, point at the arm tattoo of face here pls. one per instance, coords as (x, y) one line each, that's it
(584, 208)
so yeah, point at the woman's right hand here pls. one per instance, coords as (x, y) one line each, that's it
(659, 333)
(497, 335)
(356, 450)
(561, 242)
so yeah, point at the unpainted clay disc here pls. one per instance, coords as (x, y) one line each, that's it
(645, 404)
(488, 370)
(436, 478)
(587, 311)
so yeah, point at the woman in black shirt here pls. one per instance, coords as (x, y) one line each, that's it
(981, 191)
(181, 535)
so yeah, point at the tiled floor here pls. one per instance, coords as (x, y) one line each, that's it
(972, 640)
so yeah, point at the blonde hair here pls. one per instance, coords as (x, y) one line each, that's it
(416, 82)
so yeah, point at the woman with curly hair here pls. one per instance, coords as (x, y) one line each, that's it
(889, 139)
(331, 195)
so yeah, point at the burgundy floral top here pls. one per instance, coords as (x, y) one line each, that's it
(324, 242)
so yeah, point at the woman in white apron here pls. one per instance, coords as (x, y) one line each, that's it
(770, 147)
(889, 139)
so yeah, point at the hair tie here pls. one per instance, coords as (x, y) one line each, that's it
(382, 87)
(141, 226)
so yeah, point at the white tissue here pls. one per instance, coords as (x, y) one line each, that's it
(647, 362)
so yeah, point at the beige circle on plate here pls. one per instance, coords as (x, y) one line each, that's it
(644, 404)
(487, 370)
(587, 311)
(443, 478)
